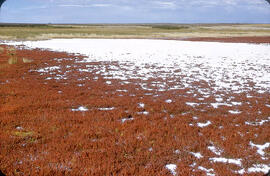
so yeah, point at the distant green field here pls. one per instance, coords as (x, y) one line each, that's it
(49, 31)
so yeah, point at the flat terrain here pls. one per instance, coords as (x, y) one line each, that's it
(161, 31)
(134, 107)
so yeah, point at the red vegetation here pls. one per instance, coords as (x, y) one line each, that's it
(41, 135)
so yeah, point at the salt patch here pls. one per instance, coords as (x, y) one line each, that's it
(208, 171)
(249, 96)
(219, 99)
(258, 123)
(216, 105)
(214, 150)
(48, 69)
(19, 128)
(81, 108)
(192, 104)
(261, 91)
(177, 151)
(195, 118)
(171, 168)
(241, 171)
(260, 148)
(259, 168)
(225, 160)
(197, 155)
(168, 101)
(236, 103)
(234, 111)
(127, 119)
(141, 105)
(122, 90)
(106, 109)
(193, 164)
(144, 113)
(202, 125)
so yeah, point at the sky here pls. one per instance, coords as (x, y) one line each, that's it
(135, 11)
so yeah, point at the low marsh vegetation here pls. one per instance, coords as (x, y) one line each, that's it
(41, 135)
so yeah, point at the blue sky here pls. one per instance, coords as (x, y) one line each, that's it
(135, 11)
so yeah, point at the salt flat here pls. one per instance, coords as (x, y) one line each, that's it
(226, 66)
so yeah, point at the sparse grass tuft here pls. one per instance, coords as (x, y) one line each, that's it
(11, 49)
(2, 50)
(23, 134)
(12, 60)
(12, 54)
(26, 61)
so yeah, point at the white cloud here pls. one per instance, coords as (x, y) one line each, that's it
(34, 7)
(101, 5)
(165, 4)
(230, 2)
(84, 6)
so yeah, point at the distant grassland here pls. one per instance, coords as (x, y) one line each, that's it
(170, 31)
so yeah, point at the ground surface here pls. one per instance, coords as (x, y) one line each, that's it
(203, 110)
